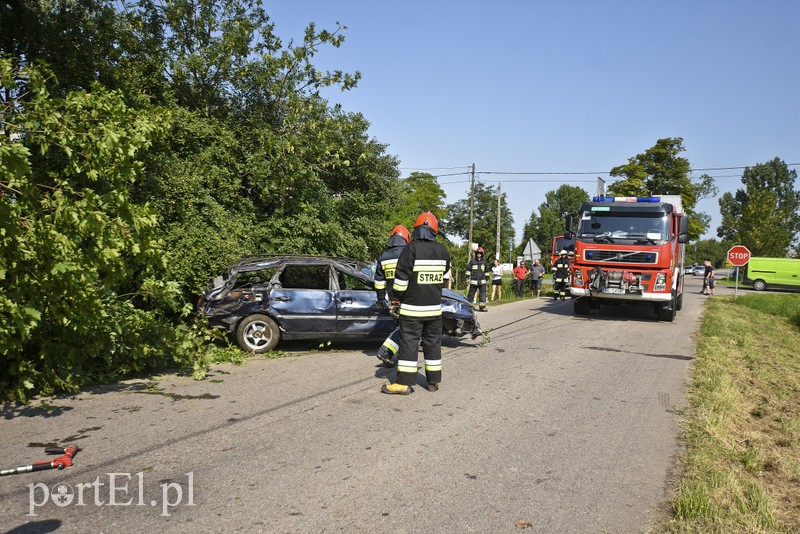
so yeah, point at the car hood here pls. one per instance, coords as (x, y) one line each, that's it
(450, 294)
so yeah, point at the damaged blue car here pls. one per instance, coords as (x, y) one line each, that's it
(263, 300)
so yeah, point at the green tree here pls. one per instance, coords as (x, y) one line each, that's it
(661, 171)
(83, 293)
(245, 157)
(484, 228)
(764, 215)
(706, 249)
(77, 39)
(549, 222)
(422, 192)
(258, 162)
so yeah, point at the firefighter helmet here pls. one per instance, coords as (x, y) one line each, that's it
(563, 252)
(402, 231)
(428, 219)
(479, 250)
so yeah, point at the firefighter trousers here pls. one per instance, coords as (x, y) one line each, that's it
(413, 330)
(560, 288)
(481, 288)
(390, 345)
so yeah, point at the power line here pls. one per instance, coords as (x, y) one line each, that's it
(542, 173)
(431, 168)
(452, 174)
(580, 173)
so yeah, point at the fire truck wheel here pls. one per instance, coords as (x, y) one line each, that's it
(679, 303)
(582, 306)
(668, 311)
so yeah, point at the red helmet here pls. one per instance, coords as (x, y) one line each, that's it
(402, 231)
(429, 219)
(479, 250)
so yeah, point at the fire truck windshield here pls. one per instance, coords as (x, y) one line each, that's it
(652, 227)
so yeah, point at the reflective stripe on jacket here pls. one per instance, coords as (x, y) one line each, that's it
(419, 276)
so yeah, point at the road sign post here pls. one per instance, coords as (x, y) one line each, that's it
(738, 256)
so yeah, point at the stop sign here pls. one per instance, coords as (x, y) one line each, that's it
(738, 255)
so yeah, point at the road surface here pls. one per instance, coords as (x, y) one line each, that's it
(558, 424)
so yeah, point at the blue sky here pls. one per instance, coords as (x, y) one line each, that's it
(565, 86)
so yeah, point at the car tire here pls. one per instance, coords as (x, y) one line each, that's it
(759, 285)
(257, 333)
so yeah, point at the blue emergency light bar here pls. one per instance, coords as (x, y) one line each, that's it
(626, 199)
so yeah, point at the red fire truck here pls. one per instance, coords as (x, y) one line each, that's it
(629, 250)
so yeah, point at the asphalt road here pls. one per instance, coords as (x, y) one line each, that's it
(559, 424)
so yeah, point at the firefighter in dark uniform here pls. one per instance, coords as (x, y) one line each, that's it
(478, 274)
(560, 271)
(418, 289)
(384, 279)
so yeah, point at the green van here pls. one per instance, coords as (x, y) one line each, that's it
(773, 273)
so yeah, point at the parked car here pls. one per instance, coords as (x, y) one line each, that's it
(262, 300)
(699, 270)
(773, 273)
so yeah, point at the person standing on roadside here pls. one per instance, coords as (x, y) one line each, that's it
(537, 277)
(418, 293)
(520, 273)
(709, 283)
(384, 280)
(560, 275)
(497, 280)
(477, 274)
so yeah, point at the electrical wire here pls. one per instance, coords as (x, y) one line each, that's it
(563, 173)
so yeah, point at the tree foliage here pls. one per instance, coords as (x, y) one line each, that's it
(661, 171)
(765, 214)
(484, 228)
(422, 193)
(83, 295)
(173, 138)
(549, 222)
(706, 249)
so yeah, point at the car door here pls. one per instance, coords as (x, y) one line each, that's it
(786, 272)
(357, 310)
(303, 302)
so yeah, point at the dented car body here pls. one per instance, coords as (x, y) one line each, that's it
(262, 300)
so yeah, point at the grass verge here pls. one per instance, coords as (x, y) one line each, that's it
(741, 470)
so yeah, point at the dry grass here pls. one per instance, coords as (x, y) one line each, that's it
(741, 471)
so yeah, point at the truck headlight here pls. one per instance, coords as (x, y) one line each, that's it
(661, 282)
(578, 274)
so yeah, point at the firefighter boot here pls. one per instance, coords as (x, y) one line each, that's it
(385, 356)
(433, 387)
(396, 389)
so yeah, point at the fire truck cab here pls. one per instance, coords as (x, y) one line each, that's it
(629, 250)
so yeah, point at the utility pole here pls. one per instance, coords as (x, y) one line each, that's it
(499, 196)
(471, 212)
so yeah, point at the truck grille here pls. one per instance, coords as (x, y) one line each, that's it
(620, 256)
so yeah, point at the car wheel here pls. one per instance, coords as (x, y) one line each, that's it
(257, 333)
(759, 285)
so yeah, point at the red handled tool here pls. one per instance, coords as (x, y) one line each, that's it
(65, 460)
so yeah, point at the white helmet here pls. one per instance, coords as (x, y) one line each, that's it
(563, 252)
